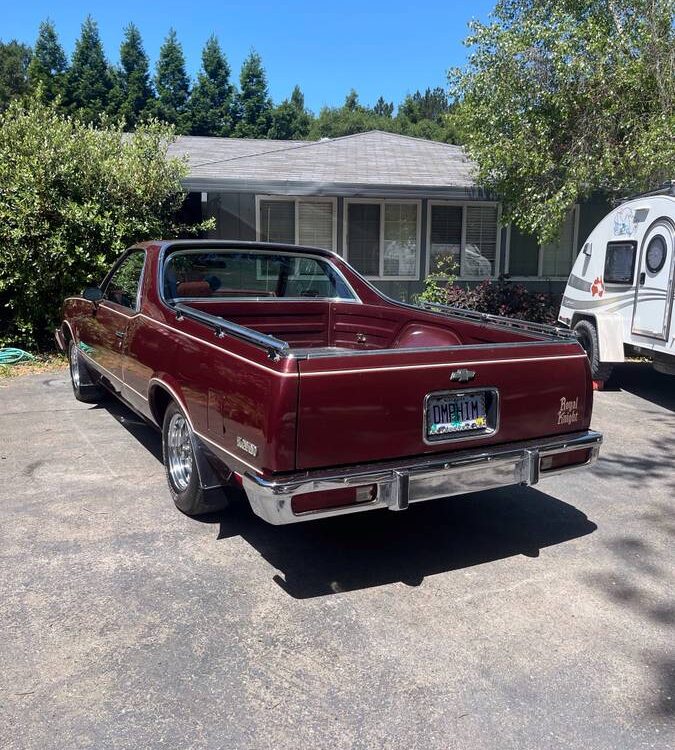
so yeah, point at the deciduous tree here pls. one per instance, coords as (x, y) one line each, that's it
(561, 98)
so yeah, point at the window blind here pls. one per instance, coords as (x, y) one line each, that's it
(315, 224)
(400, 239)
(480, 250)
(364, 237)
(446, 234)
(277, 221)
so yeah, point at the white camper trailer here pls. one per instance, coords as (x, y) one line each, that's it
(620, 292)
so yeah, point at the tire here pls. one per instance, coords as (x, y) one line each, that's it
(587, 334)
(84, 387)
(180, 464)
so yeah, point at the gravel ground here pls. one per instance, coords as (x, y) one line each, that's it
(523, 618)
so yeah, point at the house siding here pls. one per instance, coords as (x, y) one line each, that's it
(235, 218)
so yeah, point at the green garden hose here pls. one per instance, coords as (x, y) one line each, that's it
(11, 356)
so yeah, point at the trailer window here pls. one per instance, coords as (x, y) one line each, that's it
(620, 262)
(251, 274)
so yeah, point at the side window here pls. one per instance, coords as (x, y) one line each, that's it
(620, 262)
(123, 286)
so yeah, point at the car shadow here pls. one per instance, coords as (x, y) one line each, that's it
(374, 548)
(146, 433)
(369, 549)
(642, 380)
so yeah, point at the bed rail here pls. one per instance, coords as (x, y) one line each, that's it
(541, 329)
(276, 349)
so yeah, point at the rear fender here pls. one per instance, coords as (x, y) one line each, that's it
(212, 471)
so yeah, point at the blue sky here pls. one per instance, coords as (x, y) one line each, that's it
(389, 48)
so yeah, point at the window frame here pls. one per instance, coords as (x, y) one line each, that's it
(382, 202)
(540, 252)
(660, 266)
(463, 205)
(169, 252)
(613, 282)
(297, 199)
(111, 274)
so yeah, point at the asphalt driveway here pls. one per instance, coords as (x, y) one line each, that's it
(527, 618)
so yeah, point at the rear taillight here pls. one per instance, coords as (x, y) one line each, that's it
(563, 460)
(327, 499)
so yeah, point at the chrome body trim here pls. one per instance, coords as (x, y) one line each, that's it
(402, 482)
(434, 365)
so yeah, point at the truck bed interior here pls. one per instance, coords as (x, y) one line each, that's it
(338, 325)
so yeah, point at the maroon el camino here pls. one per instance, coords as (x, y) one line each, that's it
(279, 370)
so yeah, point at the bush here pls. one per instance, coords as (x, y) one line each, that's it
(500, 297)
(72, 197)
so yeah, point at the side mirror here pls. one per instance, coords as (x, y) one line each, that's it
(93, 294)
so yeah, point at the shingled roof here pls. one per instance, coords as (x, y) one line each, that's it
(366, 163)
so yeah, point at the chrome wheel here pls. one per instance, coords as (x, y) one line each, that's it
(179, 452)
(74, 366)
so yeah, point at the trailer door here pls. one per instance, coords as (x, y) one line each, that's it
(654, 293)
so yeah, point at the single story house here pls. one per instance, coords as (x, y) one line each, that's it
(392, 205)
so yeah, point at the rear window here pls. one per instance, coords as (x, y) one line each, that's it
(241, 274)
(620, 262)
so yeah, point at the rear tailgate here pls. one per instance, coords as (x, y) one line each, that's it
(370, 406)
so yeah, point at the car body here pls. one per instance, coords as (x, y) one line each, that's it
(279, 370)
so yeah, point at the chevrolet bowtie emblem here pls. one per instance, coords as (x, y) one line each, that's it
(462, 376)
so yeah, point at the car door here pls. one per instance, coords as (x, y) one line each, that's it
(104, 335)
(654, 293)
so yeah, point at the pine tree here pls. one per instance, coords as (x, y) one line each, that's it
(290, 120)
(14, 59)
(134, 96)
(48, 65)
(383, 108)
(352, 101)
(173, 84)
(211, 106)
(255, 105)
(89, 81)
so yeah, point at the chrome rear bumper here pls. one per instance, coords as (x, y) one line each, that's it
(403, 482)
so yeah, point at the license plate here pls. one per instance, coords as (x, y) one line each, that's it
(450, 414)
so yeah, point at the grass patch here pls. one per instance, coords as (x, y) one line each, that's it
(41, 363)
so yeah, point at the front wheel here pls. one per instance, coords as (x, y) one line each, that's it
(180, 464)
(587, 334)
(84, 387)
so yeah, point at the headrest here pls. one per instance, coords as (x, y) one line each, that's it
(193, 289)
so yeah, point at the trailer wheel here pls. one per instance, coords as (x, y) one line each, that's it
(587, 334)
